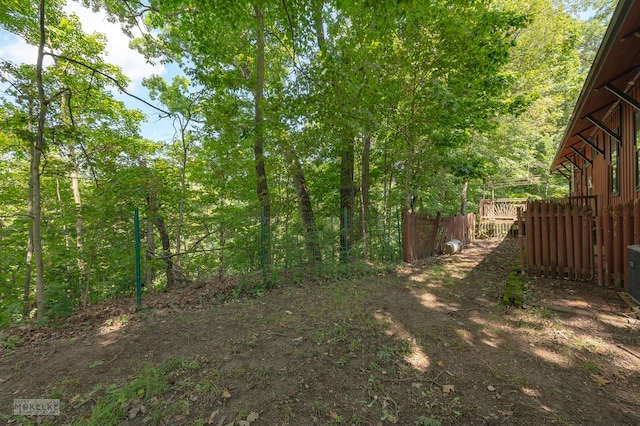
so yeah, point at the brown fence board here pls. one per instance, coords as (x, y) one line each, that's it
(558, 240)
(561, 240)
(599, 250)
(423, 236)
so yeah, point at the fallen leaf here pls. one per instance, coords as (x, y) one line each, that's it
(448, 388)
(252, 417)
(491, 388)
(600, 381)
(226, 394)
(416, 385)
(134, 412)
(213, 416)
(289, 312)
(96, 363)
(440, 363)
(506, 413)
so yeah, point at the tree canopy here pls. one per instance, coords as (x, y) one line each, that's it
(317, 119)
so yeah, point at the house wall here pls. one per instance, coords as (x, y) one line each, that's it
(596, 179)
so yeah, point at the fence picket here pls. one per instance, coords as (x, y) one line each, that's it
(561, 240)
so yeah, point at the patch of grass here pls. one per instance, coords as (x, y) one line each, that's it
(589, 366)
(514, 293)
(151, 382)
(427, 421)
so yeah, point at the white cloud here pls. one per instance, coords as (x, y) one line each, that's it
(16, 50)
(132, 63)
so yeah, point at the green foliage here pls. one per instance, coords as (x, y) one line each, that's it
(108, 410)
(442, 95)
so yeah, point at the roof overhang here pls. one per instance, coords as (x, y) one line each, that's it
(615, 70)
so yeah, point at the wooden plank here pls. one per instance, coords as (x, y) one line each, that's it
(562, 241)
(616, 237)
(587, 243)
(599, 251)
(577, 241)
(569, 237)
(553, 240)
(537, 235)
(544, 218)
(529, 223)
(627, 239)
(607, 245)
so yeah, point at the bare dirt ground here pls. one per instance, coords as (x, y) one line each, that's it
(428, 344)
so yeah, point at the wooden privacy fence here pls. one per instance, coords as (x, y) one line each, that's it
(423, 236)
(556, 240)
(565, 241)
(617, 228)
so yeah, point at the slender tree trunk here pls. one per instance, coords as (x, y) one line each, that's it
(258, 98)
(463, 198)
(347, 191)
(149, 272)
(304, 203)
(318, 24)
(183, 189)
(27, 306)
(364, 193)
(67, 238)
(158, 221)
(35, 169)
(83, 282)
(221, 243)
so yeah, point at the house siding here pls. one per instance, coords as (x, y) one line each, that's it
(600, 170)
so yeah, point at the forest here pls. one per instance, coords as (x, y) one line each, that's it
(302, 129)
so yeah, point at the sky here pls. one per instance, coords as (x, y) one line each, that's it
(132, 63)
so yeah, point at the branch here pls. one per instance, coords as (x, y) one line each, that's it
(293, 44)
(113, 79)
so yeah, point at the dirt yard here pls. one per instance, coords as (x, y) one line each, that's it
(428, 344)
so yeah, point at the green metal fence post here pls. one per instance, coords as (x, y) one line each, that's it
(263, 242)
(136, 222)
(399, 233)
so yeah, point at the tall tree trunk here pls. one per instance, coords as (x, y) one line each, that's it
(258, 99)
(347, 191)
(304, 203)
(463, 198)
(318, 24)
(34, 172)
(149, 271)
(27, 306)
(364, 193)
(158, 220)
(83, 282)
(183, 188)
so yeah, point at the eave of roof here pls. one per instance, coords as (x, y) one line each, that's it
(617, 63)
